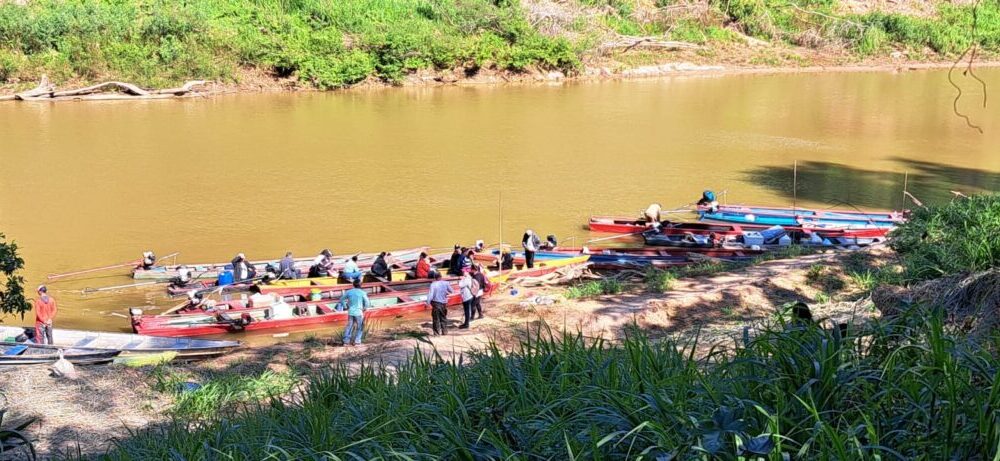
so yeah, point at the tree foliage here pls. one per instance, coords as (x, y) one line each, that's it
(12, 300)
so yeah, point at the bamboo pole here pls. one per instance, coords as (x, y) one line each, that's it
(795, 184)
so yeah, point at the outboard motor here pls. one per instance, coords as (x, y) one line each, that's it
(551, 238)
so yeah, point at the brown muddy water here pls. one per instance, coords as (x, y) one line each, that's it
(88, 184)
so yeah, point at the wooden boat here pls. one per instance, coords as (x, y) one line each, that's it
(772, 216)
(633, 257)
(543, 265)
(128, 344)
(241, 316)
(212, 270)
(31, 354)
(400, 272)
(624, 225)
(318, 292)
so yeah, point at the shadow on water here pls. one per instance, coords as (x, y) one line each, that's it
(844, 186)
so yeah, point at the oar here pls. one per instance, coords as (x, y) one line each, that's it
(616, 236)
(132, 263)
(120, 287)
(96, 269)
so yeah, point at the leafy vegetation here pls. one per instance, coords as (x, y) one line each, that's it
(604, 286)
(12, 300)
(327, 44)
(961, 236)
(906, 388)
(220, 395)
(332, 44)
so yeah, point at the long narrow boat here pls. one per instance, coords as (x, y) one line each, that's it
(30, 354)
(400, 272)
(623, 225)
(242, 317)
(633, 257)
(317, 291)
(769, 216)
(128, 344)
(212, 270)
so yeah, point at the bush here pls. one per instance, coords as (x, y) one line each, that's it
(901, 389)
(606, 286)
(326, 44)
(962, 236)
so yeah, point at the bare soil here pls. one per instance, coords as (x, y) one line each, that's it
(106, 402)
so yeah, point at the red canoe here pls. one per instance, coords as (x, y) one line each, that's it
(622, 225)
(240, 317)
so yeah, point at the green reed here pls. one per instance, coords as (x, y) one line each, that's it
(907, 388)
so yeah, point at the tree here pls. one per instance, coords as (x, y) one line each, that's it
(12, 300)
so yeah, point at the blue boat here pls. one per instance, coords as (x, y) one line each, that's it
(793, 218)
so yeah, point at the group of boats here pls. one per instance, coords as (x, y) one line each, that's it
(723, 232)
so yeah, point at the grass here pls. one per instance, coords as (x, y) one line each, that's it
(325, 44)
(604, 286)
(961, 236)
(220, 395)
(334, 44)
(905, 388)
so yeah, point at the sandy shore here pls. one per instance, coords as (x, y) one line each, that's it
(108, 401)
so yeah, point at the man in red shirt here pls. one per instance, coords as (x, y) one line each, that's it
(45, 312)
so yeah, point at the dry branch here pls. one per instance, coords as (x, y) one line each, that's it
(105, 91)
(629, 43)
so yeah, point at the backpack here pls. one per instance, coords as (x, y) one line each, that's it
(475, 287)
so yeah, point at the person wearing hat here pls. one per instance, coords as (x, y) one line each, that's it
(45, 312)
(708, 202)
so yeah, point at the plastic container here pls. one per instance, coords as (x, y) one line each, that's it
(315, 295)
(752, 238)
(225, 278)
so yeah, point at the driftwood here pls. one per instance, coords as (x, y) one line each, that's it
(46, 91)
(629, 43)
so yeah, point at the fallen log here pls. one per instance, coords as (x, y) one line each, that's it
(44, 87)
(629, 43)
(105, 91)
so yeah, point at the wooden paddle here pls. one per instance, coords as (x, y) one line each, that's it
(132, 263)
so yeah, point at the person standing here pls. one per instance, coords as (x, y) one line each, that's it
(465, 289)
(530, 243)
(286, 268)
(437, 299)
(351, 271)
(480, 278)
(242, 269)
(356, 300)
(423, 269)
(45, 313)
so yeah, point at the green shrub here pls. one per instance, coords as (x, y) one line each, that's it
(961, 236)
(908, 388)
(659, 280)
(605, 286)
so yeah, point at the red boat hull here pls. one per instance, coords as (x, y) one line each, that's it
(621, 225)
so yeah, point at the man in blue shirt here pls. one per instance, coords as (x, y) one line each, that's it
(356, 301)
(437, 298)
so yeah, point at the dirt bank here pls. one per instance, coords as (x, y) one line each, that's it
(106, 402)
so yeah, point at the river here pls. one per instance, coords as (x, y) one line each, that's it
(88, 184)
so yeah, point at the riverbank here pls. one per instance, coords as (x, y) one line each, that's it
(107, 403)
(312, 45)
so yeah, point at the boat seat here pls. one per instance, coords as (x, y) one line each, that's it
(16, 350)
